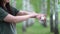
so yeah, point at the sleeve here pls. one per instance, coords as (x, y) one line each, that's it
(3, 14)
(15, 10)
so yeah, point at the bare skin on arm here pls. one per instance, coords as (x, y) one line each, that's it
(10, 18)
(24, 13)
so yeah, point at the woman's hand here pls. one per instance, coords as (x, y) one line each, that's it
(41, 17)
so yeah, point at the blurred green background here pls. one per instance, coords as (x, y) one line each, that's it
(37, 28)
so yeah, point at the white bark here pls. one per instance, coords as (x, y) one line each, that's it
(56, 17)
(27, 7)
(51, 14)
(44, 6)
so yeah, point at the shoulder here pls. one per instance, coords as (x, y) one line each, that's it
(2, 10)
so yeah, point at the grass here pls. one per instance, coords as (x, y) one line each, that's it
(37, 28)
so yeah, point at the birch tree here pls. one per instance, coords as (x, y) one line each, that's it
(27, 7)
(51, 15)
(56, 17)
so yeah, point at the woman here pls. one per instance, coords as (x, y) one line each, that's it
(9, 16)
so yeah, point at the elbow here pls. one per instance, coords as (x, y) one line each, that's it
(10, 19)
(15, 20)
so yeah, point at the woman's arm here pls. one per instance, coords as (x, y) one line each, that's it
(15, 19)
(23, 13)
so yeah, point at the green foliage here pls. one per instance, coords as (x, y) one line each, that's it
(48, 7)
(37, 28)
(36, 5)
(19, 4)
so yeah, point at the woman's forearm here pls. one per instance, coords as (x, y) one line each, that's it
(15, 19)
(21, 18)
(20, 13)
(24, 13)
